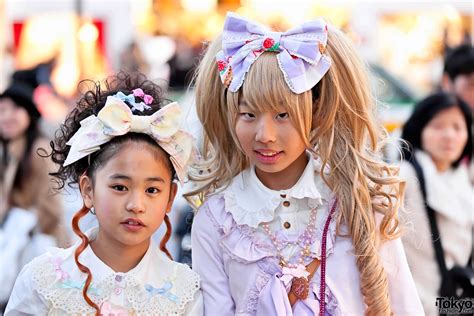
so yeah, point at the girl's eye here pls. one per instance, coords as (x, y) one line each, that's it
(153, 190)
(247, 116)
(283, 116)
(119, 187)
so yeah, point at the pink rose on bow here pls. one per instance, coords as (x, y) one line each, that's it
(268, 43)
(221, 65)
(138, 93)
(148, 99)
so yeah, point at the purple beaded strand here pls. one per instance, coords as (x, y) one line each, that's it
(322, 285)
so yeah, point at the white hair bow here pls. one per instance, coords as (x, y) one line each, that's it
(116, 119)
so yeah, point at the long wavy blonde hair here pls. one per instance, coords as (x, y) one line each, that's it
(337, 121)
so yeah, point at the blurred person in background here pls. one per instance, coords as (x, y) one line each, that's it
(438, 195)
(132, 59)
(458, 78)
(30, 217)
(458, 75)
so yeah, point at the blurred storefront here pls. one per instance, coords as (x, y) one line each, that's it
(86, 37)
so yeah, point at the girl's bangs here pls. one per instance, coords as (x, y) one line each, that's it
(264, 87)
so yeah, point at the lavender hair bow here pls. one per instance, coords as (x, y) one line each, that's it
(300, 52)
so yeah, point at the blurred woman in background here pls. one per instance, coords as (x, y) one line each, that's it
(439, 140)
(30, 216)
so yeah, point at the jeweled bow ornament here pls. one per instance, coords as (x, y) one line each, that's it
(116, 119)
(300, 52)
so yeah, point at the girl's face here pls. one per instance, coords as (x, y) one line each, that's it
(444, 137)
(272, 143)
(131, 194)
(14, 120)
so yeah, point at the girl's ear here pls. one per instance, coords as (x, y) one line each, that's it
(174, 189)
(87, 192)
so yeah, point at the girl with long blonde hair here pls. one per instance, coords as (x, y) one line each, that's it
(299, 212)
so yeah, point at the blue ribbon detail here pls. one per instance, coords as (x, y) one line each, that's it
(163, 291)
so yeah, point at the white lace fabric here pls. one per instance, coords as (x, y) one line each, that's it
(59, 282)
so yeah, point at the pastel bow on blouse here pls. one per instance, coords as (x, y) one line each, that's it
(60, 273)
(116, 119)
(107, 309)
(163, 291)
(296, 272)
(300, 52)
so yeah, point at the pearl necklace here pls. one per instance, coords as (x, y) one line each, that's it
(297, 272)
(303, 239)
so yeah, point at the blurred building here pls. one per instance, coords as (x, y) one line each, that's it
(87, 37)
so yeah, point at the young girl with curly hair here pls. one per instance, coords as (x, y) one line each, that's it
(299, 213)
(123, 148)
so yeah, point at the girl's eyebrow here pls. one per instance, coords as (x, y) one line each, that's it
(119, 176)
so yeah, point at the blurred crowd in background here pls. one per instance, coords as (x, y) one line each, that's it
(413, 49)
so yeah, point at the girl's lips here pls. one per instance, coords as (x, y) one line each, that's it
(268, 156)
(133, 221)
(133, 224)
(132, 228)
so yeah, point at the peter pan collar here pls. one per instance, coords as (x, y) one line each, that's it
(250, 202)
(102, 270)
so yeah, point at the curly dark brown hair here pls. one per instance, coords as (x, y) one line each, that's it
(92, 101)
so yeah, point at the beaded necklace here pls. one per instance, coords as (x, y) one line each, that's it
(297, 271)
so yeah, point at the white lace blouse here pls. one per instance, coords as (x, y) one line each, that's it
(52, 284)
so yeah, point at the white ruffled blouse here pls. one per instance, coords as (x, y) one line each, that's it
(239, 267)
(52, 284)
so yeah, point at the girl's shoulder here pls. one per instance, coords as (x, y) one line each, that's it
(50, 267)
(182, 278)
(170, 286)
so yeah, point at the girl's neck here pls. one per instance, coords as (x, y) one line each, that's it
(17, 147)
(442, 166)
(286, 178)
(118, 257)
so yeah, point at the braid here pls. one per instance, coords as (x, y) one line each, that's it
(85, 242)
(166, 237)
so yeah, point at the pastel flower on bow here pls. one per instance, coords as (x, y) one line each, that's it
(61, 275)
(148, 99)
(163, 291)
(297, 272)
(131, 101)
(116, 119)
(299, 52)
(138, 93)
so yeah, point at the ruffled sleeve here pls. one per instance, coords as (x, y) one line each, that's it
(208, 261)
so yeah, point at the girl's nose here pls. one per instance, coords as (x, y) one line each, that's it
(136, 203)
(266, 130)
